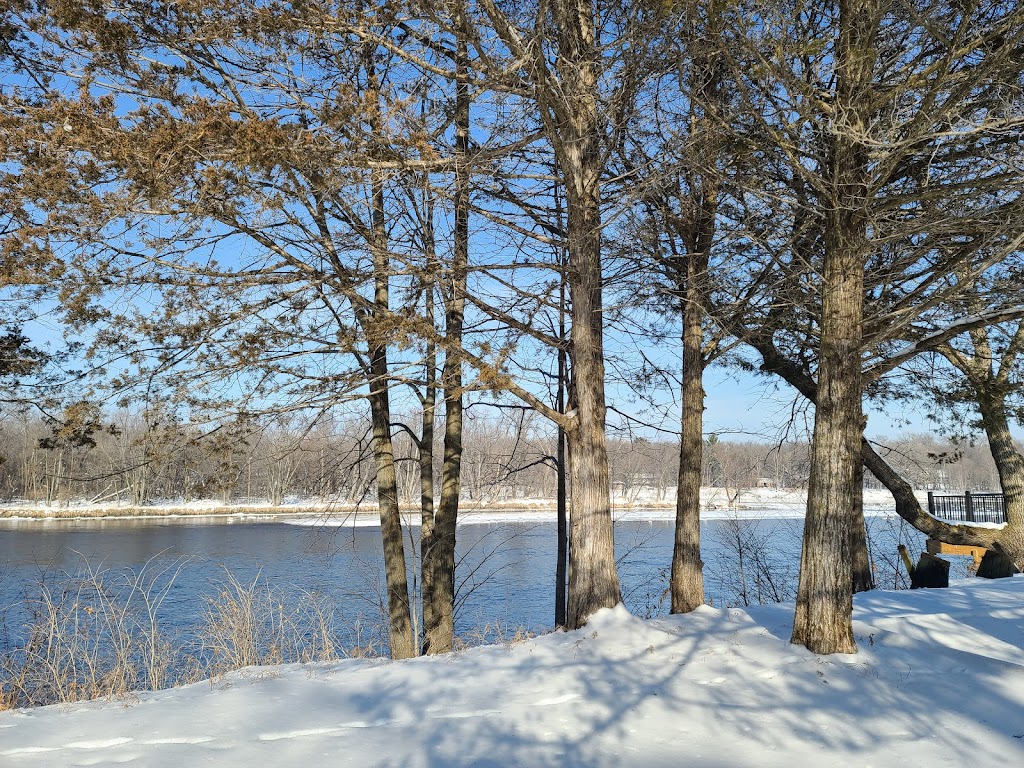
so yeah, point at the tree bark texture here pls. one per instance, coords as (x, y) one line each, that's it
(400, 633)
(907, 505)
(400, 630)
(862, 573)
(426, 444)
(687, 579)
(593, 577)
(574, 121)
(1010, 466)
(824, 608)
(561, 460)
(562, 511)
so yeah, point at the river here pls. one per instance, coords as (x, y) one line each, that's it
(505, 573)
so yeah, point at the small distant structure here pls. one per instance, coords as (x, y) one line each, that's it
(970, 507)
(765, 482)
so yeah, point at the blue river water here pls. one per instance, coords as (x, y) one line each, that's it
(505, 572)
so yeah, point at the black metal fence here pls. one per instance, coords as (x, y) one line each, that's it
(968, 508)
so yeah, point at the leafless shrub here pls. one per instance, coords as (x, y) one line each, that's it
(92, 634)
(750, 565)
(98, 633)
(253, 623)
(492, 633)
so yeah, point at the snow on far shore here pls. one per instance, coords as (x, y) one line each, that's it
(639, 514)
(716, 503)
(938, 681)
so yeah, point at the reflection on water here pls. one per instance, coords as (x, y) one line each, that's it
(505, 570)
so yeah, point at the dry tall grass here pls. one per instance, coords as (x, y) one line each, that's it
(255, 624)
(99, 633)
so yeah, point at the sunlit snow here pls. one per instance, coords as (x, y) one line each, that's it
(938, 681)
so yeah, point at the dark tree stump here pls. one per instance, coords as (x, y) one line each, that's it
(931, 573)
(996, 565)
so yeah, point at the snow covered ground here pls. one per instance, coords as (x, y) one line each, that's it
(938, 681)
(646, 504)
(755, 503)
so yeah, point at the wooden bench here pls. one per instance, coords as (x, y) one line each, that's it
(936, 547)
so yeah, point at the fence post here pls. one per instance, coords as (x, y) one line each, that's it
(931, 504)
(969, 506)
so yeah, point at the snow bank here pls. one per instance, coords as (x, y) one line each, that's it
(939, 679)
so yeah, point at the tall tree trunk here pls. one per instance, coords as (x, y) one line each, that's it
(401, 636)
(862, 574)
(439, 632)
(593, 578)
(824, 609)
(907, 505)
(400, 632)
(426, 444)
(687, 581)
(824, 599)
(403, 644)
(1010, 466)
(561, 512)
(562, 490)
(574, 122)
(697, 231)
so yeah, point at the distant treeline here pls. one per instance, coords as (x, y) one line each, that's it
(124, 457)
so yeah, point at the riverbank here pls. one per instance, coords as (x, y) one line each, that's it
(717, 503)
(938, 680)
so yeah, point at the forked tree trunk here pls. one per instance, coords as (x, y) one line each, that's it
(573, 119)
(439, 632)
(439, 560)
(824, 608)
(400, 630)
